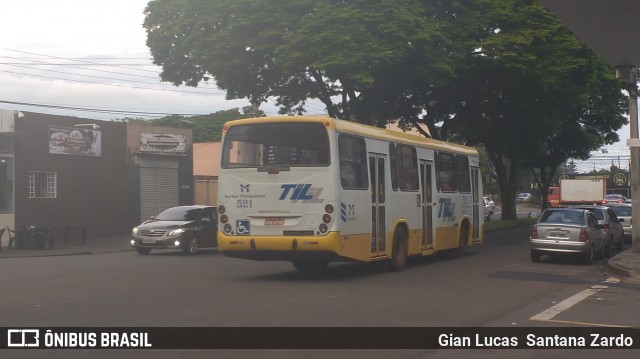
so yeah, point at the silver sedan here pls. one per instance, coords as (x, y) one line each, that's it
(567, 230)
(623, 211)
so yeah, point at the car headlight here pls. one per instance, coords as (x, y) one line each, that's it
(175, 232)
(135, 230)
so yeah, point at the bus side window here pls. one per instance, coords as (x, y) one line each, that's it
(446, 172)
(407, 168)
(353, 162)
(394, 166)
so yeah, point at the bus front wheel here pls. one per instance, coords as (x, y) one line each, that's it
(399, 254)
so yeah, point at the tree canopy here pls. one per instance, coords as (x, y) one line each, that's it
(206, 128)
(504, 74)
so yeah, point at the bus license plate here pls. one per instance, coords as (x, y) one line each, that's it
(274, 221)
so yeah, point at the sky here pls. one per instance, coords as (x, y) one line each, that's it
(92, 55)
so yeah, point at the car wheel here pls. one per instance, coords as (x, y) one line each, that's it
(143, 250)
(606, 249)
(620, 244)
(192, 246)
(535, 255)
(310, 265)
(590, 256)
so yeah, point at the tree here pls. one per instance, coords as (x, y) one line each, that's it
(532, 94)
(366, 60)
(506, 74)
(206, 128)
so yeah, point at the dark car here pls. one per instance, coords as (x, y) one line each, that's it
(184, 227)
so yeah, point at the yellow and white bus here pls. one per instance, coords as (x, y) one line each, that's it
(312, 190)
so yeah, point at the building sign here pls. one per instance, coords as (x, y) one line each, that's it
(165, 143)
(75, 141)
(620, 179)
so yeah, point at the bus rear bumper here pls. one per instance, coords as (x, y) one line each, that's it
(283, 248)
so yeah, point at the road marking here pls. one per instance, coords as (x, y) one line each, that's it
(589, 324)
(548, 314)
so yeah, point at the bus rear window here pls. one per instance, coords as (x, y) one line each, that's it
(303, 144)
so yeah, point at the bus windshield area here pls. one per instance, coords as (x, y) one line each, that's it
(302, 144)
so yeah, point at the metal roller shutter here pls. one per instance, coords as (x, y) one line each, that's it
(159, 188)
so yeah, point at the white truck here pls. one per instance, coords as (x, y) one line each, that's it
(582, 191)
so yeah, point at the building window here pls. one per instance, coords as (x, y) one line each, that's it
(42, 184)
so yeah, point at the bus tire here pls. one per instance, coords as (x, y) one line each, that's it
(464, 239)
(400, 247)
(310, 265)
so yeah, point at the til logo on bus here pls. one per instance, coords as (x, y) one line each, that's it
(447, 210)
(301, 192)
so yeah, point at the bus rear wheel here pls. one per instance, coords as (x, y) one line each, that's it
(310, 265)
(399, 254)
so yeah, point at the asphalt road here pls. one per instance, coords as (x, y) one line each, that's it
(493, 285)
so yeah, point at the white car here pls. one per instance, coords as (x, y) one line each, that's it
(489, 207)
(523, 197)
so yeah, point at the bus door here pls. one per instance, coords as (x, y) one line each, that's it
(475, 196)
(426, 179)
(378, 200)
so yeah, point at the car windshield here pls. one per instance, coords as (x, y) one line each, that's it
(179, 214)
(613, 196)
(622, 211)
(563, 216)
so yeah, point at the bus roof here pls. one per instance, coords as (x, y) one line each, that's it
(363, 130)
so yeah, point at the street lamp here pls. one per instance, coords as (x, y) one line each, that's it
(628, 73)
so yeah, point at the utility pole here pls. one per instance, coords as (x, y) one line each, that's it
(628, 73)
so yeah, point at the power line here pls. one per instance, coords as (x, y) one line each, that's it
(114, 85)
(110, 78)
(100, 110)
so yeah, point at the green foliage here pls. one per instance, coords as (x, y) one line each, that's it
(206, 128)
(498, 225)
(366, 60)
(504, 74)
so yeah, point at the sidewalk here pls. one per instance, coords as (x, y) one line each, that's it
(91, 246)
(625, 263)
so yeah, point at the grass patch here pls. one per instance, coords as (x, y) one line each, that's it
(497, 225)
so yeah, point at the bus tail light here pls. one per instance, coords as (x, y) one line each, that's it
(326, 218)
(224, 219)
(323, 228)
(328, 208)
(221, 209)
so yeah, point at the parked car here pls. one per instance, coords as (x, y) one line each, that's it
(567, 230)
(612, 227)
(623, 211)
(613, 198)
(489, 207)
(184, 227)
(523, 197)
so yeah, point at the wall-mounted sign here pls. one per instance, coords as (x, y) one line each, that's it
(75, 141)
(165, 143)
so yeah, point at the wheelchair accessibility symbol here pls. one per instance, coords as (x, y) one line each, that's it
(242, 227)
